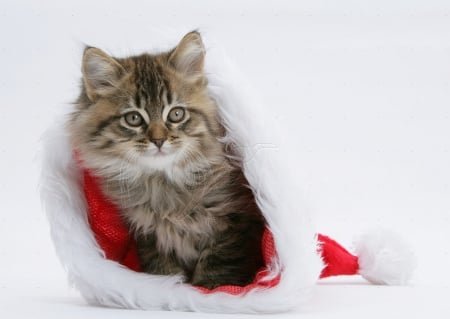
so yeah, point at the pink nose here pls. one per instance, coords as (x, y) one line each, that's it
(158, 142)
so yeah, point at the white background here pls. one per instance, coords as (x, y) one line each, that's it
(361, 88)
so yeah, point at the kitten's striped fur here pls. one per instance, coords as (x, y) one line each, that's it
(187, 203)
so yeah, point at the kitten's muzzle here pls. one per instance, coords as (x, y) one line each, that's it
(157, 134)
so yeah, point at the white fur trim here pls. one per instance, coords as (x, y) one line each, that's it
(107, 283)
(385, 258)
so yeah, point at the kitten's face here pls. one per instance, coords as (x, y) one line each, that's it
(146, 113)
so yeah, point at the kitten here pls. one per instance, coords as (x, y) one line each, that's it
(146, 126)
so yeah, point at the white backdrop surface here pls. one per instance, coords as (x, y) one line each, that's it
(362, 90)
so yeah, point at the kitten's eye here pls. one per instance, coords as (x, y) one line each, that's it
(176, 115)
(133, 118)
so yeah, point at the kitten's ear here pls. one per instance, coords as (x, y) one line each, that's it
(101, 73)
(189, 55)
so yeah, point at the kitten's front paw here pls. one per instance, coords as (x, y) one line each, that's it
(215, 279)
(208, 284)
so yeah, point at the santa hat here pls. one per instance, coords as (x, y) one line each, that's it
(99, 253)
(382, 256)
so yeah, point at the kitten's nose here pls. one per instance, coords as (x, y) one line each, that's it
(158, 142)
(157, 133)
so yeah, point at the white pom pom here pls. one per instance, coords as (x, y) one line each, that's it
(385, 258)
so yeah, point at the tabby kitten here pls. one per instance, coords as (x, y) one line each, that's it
(146, 126)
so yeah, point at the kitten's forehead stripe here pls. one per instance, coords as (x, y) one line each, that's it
(137, 100)
(152, 86)
(167, 92)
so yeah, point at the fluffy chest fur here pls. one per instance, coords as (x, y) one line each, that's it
(182, 219)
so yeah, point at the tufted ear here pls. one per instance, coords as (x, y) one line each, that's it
(101, 73)
(188, 57)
